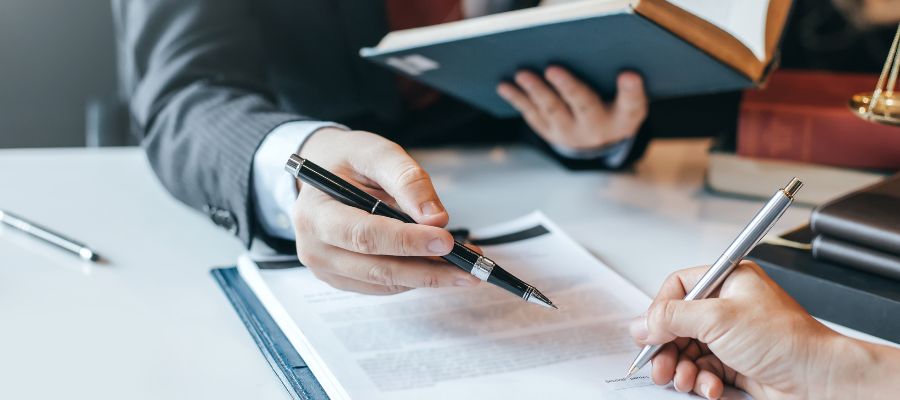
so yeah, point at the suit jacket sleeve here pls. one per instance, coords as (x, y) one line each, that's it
(193, 71)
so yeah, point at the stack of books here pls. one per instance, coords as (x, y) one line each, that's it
(800, 125)
(861, 230)
(845, 265)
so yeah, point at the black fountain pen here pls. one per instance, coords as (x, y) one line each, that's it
(482, 267)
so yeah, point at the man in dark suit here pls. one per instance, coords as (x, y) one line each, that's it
(222, 91)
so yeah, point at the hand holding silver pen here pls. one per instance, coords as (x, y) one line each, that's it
(751, 234)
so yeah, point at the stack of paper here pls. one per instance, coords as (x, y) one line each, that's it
(470, 343)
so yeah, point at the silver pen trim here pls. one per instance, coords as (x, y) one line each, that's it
(528, 292)
(372, 211)
(482, 268)
(534, 296)
(294, 164)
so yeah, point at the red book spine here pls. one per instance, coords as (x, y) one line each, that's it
(780, 123)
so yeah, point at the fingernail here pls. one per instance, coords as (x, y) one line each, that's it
(704, 390)
(431, 208)
(550, 75)
(629, 84)
(523, 79)
(638, 328)
(439, 246)
(464, 282)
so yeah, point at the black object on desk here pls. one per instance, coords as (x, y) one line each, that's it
(861, 229)
(856, 256)
(287, 364)
(856, 299)
(461, 256)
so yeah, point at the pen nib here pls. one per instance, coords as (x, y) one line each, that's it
(631, 371)
(537, 297)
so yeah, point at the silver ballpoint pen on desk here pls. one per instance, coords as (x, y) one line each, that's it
(48, 236)
(754, 231)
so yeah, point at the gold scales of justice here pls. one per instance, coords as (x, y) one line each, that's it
(882, 105)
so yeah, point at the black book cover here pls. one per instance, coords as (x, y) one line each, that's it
(852, 255)
(856, 299)
(869, 217)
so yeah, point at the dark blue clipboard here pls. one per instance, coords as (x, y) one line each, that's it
(287, 364)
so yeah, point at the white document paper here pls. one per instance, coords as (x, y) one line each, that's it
(471, 343)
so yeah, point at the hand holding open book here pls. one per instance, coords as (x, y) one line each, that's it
(567, 113)
(680, 48)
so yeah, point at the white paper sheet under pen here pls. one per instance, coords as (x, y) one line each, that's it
(471, 343)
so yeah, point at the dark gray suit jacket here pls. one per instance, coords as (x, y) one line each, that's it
(208, 79)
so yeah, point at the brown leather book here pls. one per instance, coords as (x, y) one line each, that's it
(803, 116)
(870, 217)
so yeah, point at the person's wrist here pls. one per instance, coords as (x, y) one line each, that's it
(874, 369)
(845, 368)
(312, 147)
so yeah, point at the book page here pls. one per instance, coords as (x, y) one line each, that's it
(478, 342)
(743, 19)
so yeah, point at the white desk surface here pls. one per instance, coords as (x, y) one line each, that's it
(153, 324)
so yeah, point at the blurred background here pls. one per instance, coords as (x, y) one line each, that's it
(57, 59)
(58, 79)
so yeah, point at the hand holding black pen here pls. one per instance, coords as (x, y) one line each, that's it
(349, 248)
(461, 256)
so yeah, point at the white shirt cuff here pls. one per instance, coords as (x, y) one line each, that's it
(273, 189)
(612, 155)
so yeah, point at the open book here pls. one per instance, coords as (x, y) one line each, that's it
(681, 47)
(472, 343)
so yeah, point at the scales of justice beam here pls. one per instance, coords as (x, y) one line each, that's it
(882, 105)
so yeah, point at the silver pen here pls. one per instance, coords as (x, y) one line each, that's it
(754, 231)
(48, 236)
